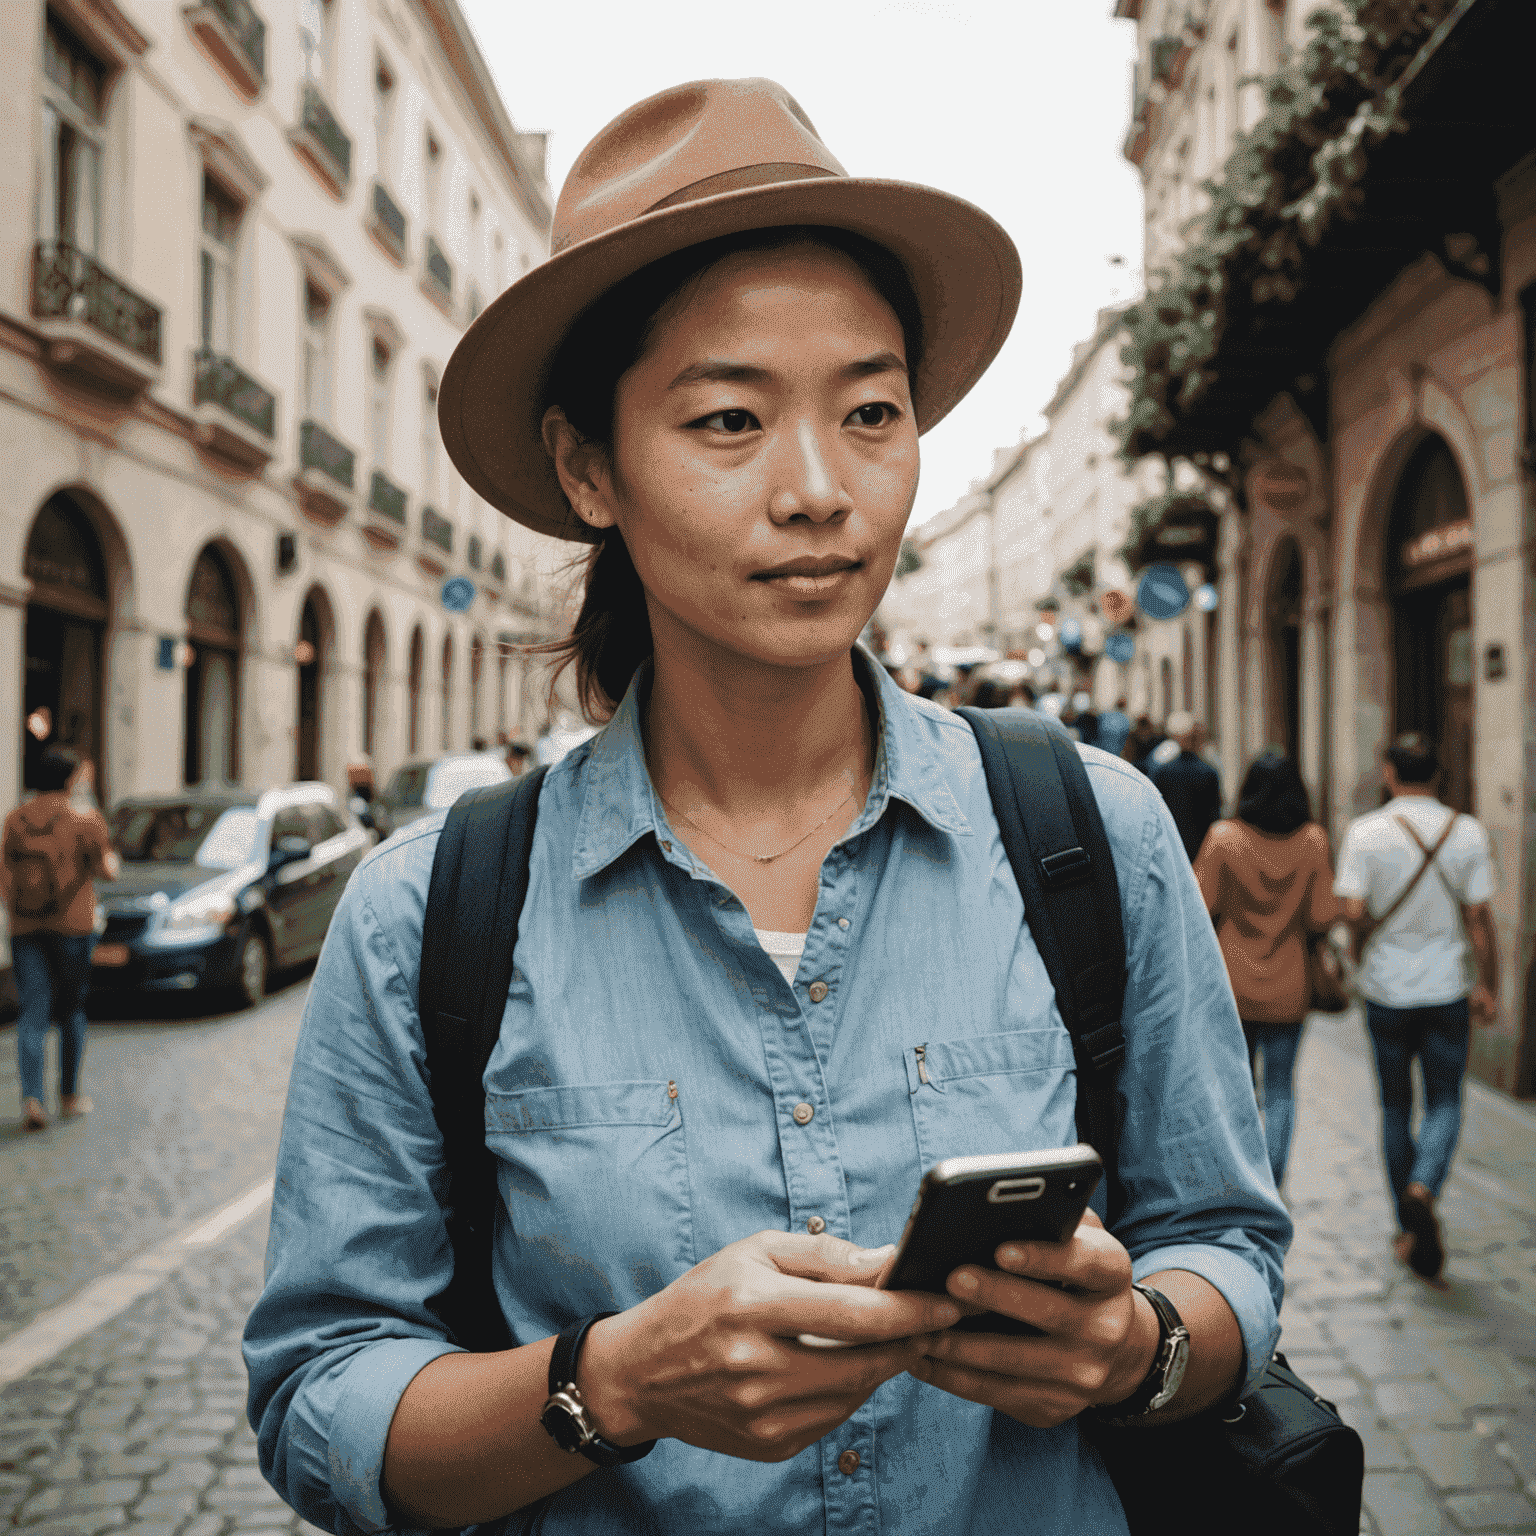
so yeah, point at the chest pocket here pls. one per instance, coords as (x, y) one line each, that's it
(1014, 1092)
(595, 1181)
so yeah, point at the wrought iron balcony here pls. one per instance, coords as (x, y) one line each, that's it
(386, 498)
(232, 31)
(439, 275)
(388, 222)
(94, 323)
(321, 139)
(436, 529)
(319, 450)
(236, 415)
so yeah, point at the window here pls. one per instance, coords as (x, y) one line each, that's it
(383, 115)
(476, 668)
(380, 360)
(316, 24)
(429, 435)
(413, 689)
(221, 225)
(74, 95)
(432, 180)
(317, 351)
(447, 689)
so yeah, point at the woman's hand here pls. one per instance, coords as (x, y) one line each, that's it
(713, 1359)
(1100, 1338)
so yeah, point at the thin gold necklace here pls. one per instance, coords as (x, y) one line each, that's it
(759, 858)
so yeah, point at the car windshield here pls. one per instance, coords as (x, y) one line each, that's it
(405, 789)
(207, 835)
(450, 779)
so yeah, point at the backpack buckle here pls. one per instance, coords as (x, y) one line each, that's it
(1065, 868)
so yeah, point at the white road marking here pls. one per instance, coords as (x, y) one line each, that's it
(53, 1331)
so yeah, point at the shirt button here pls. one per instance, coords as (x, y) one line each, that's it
(817, 990)
(815, 1226)
(803, 1113)
(842, 922)
(848, 1463)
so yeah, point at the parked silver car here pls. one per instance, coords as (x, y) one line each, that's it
(417, 789)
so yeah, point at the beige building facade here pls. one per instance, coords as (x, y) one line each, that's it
(246, 236)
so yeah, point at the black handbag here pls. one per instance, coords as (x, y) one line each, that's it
(1281, 1456)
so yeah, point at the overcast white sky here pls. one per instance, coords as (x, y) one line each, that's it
(1018, 105)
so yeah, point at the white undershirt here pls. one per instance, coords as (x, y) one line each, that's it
(785, 950)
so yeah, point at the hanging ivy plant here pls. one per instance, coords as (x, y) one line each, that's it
(1287, 179)
(1175, 525)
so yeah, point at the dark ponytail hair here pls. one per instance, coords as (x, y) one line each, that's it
(612, 633)
(1273, 797)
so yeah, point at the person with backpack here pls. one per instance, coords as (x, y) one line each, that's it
(51, 855)
(1268, 884)
(760, 958)
(1416, 878)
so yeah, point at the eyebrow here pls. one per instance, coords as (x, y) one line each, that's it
(723, 371)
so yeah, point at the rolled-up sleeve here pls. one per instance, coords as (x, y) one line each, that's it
(358, 1243)
(1198, 1191)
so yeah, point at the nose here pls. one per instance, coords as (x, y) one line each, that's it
(808, 486)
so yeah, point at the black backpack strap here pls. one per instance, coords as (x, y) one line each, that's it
(1055, 841)
(479, 880)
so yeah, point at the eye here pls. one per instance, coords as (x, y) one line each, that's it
(879, 414)
(732, 422)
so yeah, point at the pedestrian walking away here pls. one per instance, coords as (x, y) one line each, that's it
(1186, 781)
(1416, 878)
(771, 961)
(51, 855)
(1267, 880)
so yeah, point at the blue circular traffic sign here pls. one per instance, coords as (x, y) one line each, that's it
(1071, 636)
(1162, 592)
(458, 594)
(1120, 646)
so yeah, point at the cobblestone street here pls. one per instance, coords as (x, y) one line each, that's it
(138, 1427)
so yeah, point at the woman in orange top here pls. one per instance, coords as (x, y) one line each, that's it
(1267, 879)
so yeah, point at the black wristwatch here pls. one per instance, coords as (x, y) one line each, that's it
(564, 1416)
(1161, 1383)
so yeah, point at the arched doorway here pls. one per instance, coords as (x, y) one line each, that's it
(311, 654)
(373, 679)
(67, 613)
(1284, 618)
(211, 736)
(447, 691)
(413, 690)
(1429, 577)
(1165, 688)
(476, 671)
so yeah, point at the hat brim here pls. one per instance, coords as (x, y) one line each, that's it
(964, 269)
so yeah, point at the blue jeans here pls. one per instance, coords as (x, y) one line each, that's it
(1277, 1044)
(53, 976)
(1438, 1037)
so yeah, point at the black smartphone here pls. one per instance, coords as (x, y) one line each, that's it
(967, 1207)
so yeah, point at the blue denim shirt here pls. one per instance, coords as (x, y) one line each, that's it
(637, 969)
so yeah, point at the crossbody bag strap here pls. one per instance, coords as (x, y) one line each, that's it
(1373, 925)
(469, 932)
(1054, 837)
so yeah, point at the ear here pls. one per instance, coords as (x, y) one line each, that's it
(583, 470)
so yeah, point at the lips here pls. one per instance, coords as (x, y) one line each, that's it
(810, 567)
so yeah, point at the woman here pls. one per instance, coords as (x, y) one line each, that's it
(1268, 884)
(754, 896)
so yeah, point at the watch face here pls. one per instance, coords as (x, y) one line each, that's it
(1173, 1377)
(562, 1425)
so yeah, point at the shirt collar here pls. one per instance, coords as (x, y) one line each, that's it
(620, 805)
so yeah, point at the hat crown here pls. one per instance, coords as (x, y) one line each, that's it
(691, 141)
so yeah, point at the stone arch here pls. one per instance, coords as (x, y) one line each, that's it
(375, 673)
(1284, 587)
(314, 656)
(219, 606)
(416, 674)
(79, 580)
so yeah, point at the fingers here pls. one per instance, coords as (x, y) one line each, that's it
(823, 1258)
(1040, 1404)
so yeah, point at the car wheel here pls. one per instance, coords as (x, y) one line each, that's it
(251, 978)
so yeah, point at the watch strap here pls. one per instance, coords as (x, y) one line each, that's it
(1168, 1324)
(562, 1378)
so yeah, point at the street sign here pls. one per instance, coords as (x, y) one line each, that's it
(1120, 647)
(1071, 636)
(1115, 606)
(458, 594)
(1206, 598)
(1162, 593)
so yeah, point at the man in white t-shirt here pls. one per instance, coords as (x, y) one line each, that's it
(1415, 878)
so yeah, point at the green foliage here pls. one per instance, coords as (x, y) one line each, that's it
(1077, 579)
(908, 560)
(1157, 514)
(1297, 170)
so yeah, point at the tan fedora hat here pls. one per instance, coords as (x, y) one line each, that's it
(711, 158)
